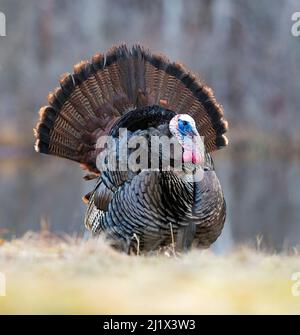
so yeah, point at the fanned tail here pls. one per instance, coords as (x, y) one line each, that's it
(89, 101)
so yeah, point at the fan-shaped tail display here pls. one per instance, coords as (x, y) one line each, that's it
(89, 101)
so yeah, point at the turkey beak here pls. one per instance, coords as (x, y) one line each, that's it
(192, 133)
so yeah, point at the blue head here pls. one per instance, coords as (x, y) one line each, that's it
(183, 127)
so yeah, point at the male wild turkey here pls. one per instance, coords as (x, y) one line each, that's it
(148, 95)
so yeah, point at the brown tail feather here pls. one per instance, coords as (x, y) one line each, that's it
(90, 100)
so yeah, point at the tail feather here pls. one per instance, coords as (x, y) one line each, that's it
(89, 101)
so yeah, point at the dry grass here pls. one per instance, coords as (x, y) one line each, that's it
(47, 274)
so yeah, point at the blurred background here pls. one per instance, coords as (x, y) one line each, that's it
(243, 49)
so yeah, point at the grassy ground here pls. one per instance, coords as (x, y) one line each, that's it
(47, 274)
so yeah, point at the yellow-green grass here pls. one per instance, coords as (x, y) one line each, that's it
(50, 275)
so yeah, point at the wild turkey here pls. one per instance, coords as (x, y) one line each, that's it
(147, 95)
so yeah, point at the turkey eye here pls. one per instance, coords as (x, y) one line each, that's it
(184, 123)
